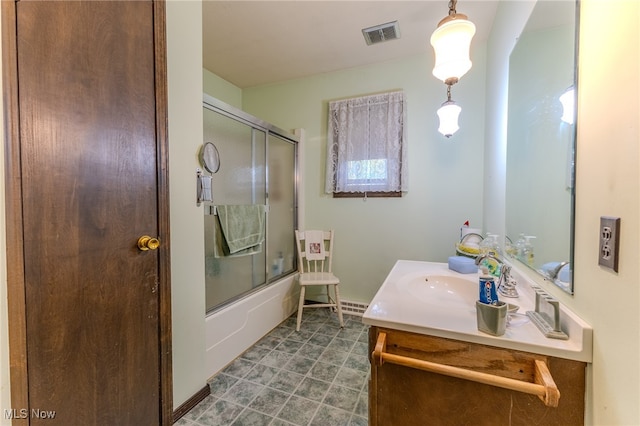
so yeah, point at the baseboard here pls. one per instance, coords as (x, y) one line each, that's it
(353, 308)
(191, 402)
(348, 307)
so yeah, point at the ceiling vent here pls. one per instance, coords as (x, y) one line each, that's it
(380, 33)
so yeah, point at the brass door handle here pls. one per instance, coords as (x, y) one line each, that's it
(148, 243)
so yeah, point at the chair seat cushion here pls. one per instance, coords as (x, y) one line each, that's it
(318, 278)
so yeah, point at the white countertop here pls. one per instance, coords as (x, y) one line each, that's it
(398, 305)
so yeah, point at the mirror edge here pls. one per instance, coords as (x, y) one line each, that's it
(576, 82)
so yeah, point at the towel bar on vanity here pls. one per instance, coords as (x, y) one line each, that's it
(544, 386)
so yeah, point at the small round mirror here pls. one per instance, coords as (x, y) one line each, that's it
(209, 157)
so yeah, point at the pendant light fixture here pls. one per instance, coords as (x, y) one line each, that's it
(451, 42)
(448, 113)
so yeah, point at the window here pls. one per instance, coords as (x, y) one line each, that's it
(366, 146)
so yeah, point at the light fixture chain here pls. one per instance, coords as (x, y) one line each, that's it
(452, 7)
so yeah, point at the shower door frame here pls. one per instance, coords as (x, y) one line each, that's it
(229, 111)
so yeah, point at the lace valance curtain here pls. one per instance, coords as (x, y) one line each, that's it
(367, 144)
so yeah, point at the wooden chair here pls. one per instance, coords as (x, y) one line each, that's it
(314, 265)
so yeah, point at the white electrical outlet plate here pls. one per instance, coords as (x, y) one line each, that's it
(609, 242)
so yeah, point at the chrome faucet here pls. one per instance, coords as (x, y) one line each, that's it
(506, 283)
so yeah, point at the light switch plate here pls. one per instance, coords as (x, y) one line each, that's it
(609, 242)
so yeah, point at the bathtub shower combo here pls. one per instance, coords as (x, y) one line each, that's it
(249, 228)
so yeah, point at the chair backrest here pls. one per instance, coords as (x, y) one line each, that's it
(319, 265)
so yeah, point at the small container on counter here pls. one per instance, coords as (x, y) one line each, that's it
(492, 319)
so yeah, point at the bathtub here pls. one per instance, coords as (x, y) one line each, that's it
(235, 328)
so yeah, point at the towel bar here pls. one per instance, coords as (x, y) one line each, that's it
(544, 386)
(214, 209)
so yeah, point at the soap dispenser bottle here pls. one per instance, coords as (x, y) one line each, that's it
(280, 263)
(528, 256)
(495, 245)
(519, 248)
(489, 247)
(485, 246)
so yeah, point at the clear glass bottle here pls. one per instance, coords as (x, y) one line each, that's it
(489, 247)
(527, 252)
(519, 248)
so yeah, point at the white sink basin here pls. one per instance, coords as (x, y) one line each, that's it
(440, 291)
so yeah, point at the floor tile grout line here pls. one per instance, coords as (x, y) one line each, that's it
(333, 383)
(321, 402)
(293, 393)
(275, 416)
(315, 362)
(318, 329)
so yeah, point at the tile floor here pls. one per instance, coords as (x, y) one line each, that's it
(317, 376)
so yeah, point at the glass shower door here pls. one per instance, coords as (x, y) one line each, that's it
(241, 180)
(257, 167)
(282, 206)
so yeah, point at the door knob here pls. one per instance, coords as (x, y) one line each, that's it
(148, 243)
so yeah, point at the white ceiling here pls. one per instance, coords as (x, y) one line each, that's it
(250, 43)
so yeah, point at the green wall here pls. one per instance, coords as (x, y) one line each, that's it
(445, 175)
(221, 89)
(607, 184)
(184, 71)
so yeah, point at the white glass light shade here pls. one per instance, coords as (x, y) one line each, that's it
(448, 114)
(451, 42)
(567, 99)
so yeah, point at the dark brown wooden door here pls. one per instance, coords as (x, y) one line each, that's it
(91, 165)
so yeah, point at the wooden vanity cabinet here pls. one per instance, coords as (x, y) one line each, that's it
(407, 396)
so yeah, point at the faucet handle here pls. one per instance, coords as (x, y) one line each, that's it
(507, 286)
(506, 270)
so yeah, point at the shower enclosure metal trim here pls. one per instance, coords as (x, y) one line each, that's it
(230, 111)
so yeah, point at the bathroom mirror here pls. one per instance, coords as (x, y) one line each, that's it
(209, 157)
(541, 142)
